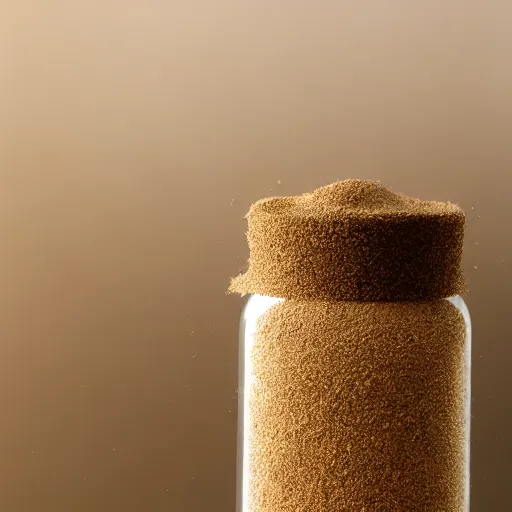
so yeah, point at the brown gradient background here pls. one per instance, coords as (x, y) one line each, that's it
(134, 136)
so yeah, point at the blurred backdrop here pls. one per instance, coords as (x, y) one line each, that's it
(134, 135)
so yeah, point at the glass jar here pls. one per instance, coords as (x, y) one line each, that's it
(395, 438)
(354, 385)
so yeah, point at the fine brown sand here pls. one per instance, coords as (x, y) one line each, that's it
(358, 407)
(358, 396)
(353, 240)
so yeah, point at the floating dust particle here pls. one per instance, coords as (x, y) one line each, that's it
(320, 439)
(279, 182)
(191, 333)
(231, 202)
(475, 267)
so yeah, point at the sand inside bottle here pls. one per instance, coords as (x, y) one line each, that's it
(371, 417)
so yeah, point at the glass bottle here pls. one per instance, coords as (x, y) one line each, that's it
(255, 309)
(354, 389)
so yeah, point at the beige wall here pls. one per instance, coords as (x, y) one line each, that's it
(133, 138)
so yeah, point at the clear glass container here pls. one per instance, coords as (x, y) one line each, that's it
(259, 305)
